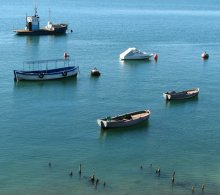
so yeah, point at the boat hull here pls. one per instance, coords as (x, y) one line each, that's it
(181, 95)
(143, 57)
(58, 31)
(59, 73)
(114, 123)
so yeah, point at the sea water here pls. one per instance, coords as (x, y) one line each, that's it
(55, 121)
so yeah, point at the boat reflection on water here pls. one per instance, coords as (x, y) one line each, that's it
(134, 62)
(139, 128)
(32, 40)
(67, 82)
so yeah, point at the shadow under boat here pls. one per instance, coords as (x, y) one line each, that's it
(135, 62)
(35, 39)
(32, 40)
(68, 81)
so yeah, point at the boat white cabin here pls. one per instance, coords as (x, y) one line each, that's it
(135, 54)
(33, 22)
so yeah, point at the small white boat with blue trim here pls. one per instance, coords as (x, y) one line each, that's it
(46, 70)
(173, 95)
(124, 120)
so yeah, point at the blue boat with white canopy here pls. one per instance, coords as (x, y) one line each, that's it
(46, 70)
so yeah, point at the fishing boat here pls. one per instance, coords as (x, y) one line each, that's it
(95, 72)
(135, 54)
(33, 27)
(173, 95)
(124, 120)
(46, 70)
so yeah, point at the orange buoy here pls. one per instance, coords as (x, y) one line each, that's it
(155, 56)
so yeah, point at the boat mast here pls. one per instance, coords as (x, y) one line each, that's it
(49, 14)
(26, 22)
(35, 8)
(35, 11)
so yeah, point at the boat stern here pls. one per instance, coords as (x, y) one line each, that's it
(121, 57)
(165, 96)
(102, 123)
(149, 112)
(15, 75)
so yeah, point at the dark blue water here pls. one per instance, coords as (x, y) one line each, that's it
(56, 121)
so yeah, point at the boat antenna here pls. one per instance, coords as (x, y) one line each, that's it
(26, 19)
(35, 10)
(49, 14)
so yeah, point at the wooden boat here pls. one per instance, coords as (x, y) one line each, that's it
(124, 120)
(95, 72)
(33, 27)
(181, 95)
(44, 70)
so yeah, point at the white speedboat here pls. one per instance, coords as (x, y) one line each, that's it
(134, 54)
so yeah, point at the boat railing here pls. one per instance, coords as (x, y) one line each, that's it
(46, 64)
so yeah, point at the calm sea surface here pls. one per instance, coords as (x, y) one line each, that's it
(56, 121)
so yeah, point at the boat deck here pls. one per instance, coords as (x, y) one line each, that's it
(136, 116)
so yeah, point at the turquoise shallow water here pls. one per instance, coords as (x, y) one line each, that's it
(56, 120)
